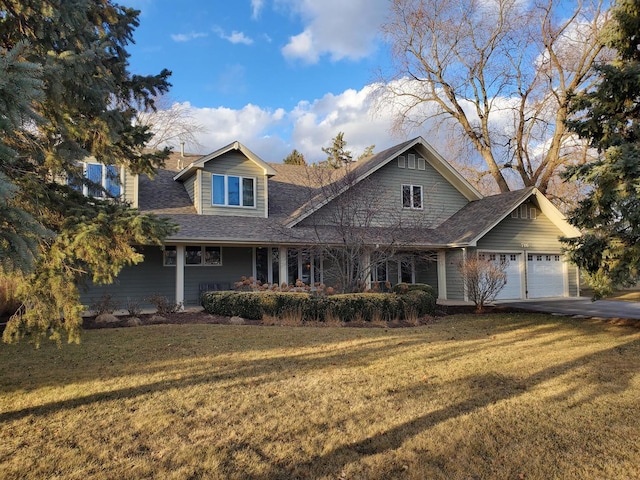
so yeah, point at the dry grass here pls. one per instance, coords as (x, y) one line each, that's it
(468, 397)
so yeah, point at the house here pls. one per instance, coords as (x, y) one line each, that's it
(410, 217)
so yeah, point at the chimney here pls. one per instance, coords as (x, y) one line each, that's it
(182, 149)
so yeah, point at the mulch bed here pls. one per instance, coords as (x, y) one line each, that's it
(202, 317)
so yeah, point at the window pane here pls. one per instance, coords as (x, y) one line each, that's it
(218, 190)
(247, 192)
(292, 265)
(113, 181)
(262, 264)
(406, 271)
(406, 196)
(233, 196)
(94, 174)
(192, 255)
(275, 265)
(212, 256)
(169, 255)
(417, 196)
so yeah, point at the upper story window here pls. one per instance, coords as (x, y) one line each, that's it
(412, 196)
(233, 191)
(105, 176)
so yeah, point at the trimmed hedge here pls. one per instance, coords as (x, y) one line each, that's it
(346, 307)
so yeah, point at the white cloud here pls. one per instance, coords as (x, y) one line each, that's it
(256, 8)
(187, 37)
(308, 127)
(235, 37)
(338, 28)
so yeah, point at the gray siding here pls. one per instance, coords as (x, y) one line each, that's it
(381, 193)
(189, 185)
(236, 262)
(131, 188)
(137, 282)
(540, 235)
(455, 285)
(233, 163)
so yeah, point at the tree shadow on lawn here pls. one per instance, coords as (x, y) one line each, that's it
(483, 390)
(244, 373)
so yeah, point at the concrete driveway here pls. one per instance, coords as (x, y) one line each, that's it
(579, 306)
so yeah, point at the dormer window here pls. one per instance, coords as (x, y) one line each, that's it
(233, 191)
(105, 176)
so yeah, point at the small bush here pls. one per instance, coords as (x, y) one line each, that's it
(133, 307)
(163, 305)
(104, 304)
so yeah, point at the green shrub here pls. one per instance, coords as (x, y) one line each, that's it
(347, 307)
(419, 302)
(402, 288)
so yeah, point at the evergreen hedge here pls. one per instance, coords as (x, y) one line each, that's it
(345, 307)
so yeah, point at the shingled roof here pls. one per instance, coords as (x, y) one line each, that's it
(292, 189)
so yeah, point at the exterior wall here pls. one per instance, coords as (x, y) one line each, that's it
(137, 282)
(381, 192)
(525, 236)
(189, 185)
(233, 163)
(236, 262)
(455, 285)
(131, 188)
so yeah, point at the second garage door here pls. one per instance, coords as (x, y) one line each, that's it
(545, 276)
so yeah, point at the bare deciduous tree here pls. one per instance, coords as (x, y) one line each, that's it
(172, 124)
(355, 228)
(498, 75)
(483, 279)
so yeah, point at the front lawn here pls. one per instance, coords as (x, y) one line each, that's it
(503, 396)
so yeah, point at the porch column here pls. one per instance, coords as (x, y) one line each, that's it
(442, 274)
(283, 265)
(180, 275)
(464, 284)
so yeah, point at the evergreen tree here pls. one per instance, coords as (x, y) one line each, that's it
(609, 116)
(70, 97)
(338, 156)
(294, 158)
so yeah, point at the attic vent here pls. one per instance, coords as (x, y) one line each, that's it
(421, 163)
(514, 214)
(401, 161)
(523, 211)
(533, 213)
(411, 161)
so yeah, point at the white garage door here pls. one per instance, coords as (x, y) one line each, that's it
(544, 275)
(512, 288)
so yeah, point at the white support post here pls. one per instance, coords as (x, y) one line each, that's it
(464, 284)
(180, 275)
(442, 274)
(284, 270)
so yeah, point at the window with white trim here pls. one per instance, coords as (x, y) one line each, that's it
(206, 255)
(233, 191)
(105, 176)
(412, 197)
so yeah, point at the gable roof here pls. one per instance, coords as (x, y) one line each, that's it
(365, 167)
(477, 218)
(199, 164)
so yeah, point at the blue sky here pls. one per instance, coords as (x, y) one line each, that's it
(274, 74)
